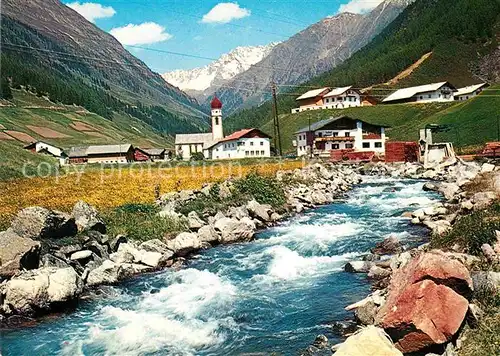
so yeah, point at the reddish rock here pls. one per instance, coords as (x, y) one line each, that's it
(427, 302)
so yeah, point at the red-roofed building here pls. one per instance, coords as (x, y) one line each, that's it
(246, 143)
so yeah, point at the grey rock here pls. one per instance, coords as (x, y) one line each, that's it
(40, 223)
(115, 243)
(366, 313)
(108, 273)
(17, 253)
(98, 249)
(390, 245)
(474, 315)
(259, 211)
(70, 248)
(155, 245)
(208, 234)
(81, 255)
(194, 221)
(39, 289)
(358, 266)
(49, 260)
(378, 273)
(87, 218)
(489, 253)
(234, 231)
(184, 243)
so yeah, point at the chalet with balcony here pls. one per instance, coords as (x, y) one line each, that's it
(340, 133)
(332, 98)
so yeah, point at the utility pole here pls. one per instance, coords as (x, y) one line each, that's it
(277, 134)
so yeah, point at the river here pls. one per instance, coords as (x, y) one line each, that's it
(271, 295)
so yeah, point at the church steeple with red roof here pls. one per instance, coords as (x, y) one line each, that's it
(217, 131)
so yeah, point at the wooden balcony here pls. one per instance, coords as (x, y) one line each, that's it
(335, 139)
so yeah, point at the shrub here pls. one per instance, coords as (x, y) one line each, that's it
(266, 190)
(197, 156)
(140, 222)
(472, 231)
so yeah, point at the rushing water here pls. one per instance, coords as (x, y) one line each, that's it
(271, 295)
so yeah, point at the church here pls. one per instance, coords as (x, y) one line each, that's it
(246, 143)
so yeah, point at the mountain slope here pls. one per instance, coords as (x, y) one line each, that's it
(462, 35)
(76, 62)
(313, 51)
(203, 81)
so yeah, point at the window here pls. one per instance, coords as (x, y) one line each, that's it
(347, 134)
(378, 144)
(246, 153)
(348, 145)
(256, 153)
(366, 144)
(335, 134)
(335, 146)
(320, 134)
(217, 120)
(429, 96)
(251, 143)
(252, 153)
(421, 97)
(262, 143)
(262, 153)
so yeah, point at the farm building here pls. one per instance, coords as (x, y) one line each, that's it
(471, 91)
(48, 149)
(436, 92)
(340, 133)
(121, 153)
(149, 154)
(332, 98)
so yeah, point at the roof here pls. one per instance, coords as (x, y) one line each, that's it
(318, 125)
(237, 135)
(108, 149)
(186, 139)
(76, 152)
(337, 91)
(216, 103)
(469, 89)
(33, 145)
(153, 151)
(408, 93)
(312, 93)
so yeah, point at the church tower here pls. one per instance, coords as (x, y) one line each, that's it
(217, 131)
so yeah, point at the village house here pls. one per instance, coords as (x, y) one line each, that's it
(241, 144)
(149, 154)
(48, 149)
(470, 91)
(121, 153)
(340, 133)
(332, 98)
(436, 92)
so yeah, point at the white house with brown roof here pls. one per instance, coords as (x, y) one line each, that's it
(340, 133)
(245, 143)
(104, 154)
(470, 91)
(436, 92)
(329, 98)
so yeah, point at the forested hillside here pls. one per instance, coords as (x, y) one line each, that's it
(461, 34)
(50, 49)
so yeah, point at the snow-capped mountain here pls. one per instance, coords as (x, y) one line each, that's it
(226, 67)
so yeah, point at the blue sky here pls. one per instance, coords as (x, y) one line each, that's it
(206, 28)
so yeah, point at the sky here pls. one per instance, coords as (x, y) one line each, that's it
(205, 28)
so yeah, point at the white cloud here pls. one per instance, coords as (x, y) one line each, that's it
(359, 6)
(145, 33)
(92, 11)
(225, 12)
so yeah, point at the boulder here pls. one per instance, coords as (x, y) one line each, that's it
(81, 255)
(487, 167)
(369, 341)
(87, 218)
(40, 223)
(17, 253)
(485, 281)
(358, 266)
(430, 187)
(152, 259)
(184, 243)
(259, 211)
(69, 249)
(208, 234)
(38, 290)
(378, 273)
(366, 313)
(233, 230)
(99, 250)
(49, 260)
(483, 199)
(194, 221)
(107, 273)
(449, 190)
(238, 213)
(438, 227)
(391, 245)
(426, 304)
(155, 245)
(489, 253)
(467, 205)
(496, 245)
(114, 244)
(419, 214)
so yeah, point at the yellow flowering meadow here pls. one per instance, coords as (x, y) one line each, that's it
(108, 188)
